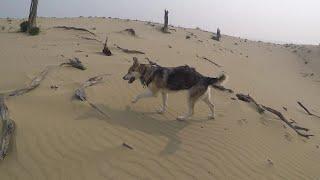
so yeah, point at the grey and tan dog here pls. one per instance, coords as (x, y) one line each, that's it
(169, 79)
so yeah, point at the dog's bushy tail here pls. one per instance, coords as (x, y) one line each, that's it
(217, 80)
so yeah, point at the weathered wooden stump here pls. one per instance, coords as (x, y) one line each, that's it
(106, 50)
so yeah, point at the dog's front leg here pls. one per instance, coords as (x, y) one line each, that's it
(191, 103)
(146, 94)
(164, 102)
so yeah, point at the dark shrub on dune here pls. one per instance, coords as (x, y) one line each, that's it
(24, 26)
(34, 31)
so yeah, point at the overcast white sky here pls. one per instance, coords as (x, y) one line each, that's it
(270, 20)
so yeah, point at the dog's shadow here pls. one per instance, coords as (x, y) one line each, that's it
(141, 121)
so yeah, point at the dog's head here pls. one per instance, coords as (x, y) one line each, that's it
(133, 72)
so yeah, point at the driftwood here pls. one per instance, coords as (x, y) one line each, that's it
(130, 31)
(212, 62)
(91, 39)
(217, 36)
(262, 108)
(81, 94)
(308, 112)
(129, 51)
(75, 28)
(76, 63)
(105, 49)
(248, 99)
(8, 127)
(166, 21)
(127, 146)
(34, 84)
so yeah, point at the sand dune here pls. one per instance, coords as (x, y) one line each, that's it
(59, 137)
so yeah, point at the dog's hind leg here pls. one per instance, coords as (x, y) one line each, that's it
(194, 94)
(164, 103)
(145, 94)
(207, 99)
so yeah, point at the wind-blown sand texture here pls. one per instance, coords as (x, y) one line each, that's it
(59, 137)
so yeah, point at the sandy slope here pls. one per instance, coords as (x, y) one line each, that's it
(58, 137)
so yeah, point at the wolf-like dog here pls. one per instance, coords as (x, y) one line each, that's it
(169, 79)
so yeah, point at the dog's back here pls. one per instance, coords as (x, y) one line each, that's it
(182, 78)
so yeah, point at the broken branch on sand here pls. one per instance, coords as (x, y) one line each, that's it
(105, 49)
(212, 62)
(248, 99)
(8, 127)
(308, 112)
(262, 108)
(81, 94)
(76, 63)
(34, 84)
(129, 51)
(91, 39)
(74, 28)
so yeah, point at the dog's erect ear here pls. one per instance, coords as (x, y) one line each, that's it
(151, 62)
(135, 60)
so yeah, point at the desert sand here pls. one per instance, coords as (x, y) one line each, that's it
(59, 137)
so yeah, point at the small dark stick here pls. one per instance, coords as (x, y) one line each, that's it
(127, 146)
(308, 112)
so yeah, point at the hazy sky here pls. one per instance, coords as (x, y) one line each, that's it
(271, 20)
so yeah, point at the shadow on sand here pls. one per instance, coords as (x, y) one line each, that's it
(144, 122)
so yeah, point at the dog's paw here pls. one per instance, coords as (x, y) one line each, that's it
(134, 100)
(161, 111)
(211, 117)
(181, 118)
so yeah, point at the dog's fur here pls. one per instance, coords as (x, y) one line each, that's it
(168, 79)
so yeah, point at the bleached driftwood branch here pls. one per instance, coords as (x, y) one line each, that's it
(8, 127)
(129, 51)
(261, 108)
(76, 63)
(81, 94)
(74, 28)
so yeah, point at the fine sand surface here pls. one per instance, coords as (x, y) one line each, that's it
(59, 137)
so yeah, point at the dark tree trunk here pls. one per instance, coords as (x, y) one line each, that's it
(218, 34)
(33, 14)
(166, 21)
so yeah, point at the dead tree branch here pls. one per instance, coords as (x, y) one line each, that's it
(8, 127)
(34, 84)
(90, 39)
(81, 94)
(105, 49)
(130, 31)
(248, 99)
(75, 28)
(76, 63)
(308, 112)
(212, 62)
(262, 108)
(129, 51)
